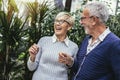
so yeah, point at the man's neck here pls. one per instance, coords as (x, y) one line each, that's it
(97, 32)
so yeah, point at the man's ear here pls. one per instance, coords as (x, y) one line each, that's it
(95, 20)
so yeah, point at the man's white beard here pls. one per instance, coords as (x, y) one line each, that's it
(86, 31)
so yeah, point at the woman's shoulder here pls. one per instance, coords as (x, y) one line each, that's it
(73, 43)
(46, 38)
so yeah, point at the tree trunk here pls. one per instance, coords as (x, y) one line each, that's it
(5, 72)
(59, 4)
(68, 5)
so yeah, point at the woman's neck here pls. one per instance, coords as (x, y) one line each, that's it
(60, 38)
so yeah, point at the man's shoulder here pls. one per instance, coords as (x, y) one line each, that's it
(112, 37)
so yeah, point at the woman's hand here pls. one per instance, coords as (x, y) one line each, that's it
(65, 59)
(33, 50)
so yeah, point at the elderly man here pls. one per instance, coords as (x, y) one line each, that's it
(98, 57)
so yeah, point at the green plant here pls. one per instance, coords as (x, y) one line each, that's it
(11, 39)
(77, 33)
(38, 14)
(114, 24)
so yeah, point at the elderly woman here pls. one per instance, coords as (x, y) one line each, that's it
(44, 56)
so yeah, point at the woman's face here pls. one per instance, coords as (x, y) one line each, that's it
(61, 26)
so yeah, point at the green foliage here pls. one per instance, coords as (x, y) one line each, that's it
(77, 32)
(39, 15)
(114, 24)
(11, 41)
(17, 71)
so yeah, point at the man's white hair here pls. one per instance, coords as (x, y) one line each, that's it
(98, 9)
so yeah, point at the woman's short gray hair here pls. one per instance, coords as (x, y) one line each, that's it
(69, 19)
(98, 9)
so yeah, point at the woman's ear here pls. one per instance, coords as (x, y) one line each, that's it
(69, 27)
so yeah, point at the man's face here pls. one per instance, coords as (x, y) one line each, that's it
(86, 21)
(61, 26)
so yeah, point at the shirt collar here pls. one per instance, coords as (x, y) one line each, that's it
(54, 39)
(104, 34)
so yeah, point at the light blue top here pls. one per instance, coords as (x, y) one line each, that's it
(46, 64)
